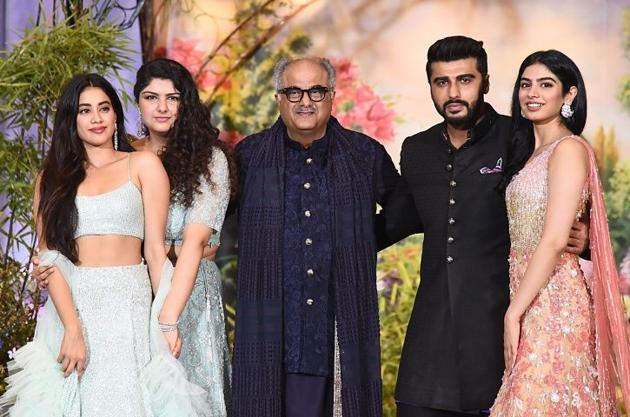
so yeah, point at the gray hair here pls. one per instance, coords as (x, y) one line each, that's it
(283, 63)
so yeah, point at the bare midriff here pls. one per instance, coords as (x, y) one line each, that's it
(108, 250)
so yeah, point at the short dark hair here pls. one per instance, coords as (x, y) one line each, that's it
(569, 75)
(454, 48)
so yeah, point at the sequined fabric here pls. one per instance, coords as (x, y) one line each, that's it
(202, 324)
(114, 306)
(555, 372)
(117, 212)
(526, 199)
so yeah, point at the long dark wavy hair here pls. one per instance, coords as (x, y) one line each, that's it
(64, 167)
(569, 75)
(193, 139)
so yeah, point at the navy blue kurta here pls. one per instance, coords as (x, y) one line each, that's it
(308, 318)
(359, 176)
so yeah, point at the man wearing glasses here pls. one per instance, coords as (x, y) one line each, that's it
(307, 314)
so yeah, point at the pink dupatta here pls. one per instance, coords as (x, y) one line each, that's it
(612, 344)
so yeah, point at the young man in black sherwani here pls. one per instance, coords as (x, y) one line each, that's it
(452, 177)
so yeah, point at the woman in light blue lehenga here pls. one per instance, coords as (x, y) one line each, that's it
(98, 350)
(176, 126)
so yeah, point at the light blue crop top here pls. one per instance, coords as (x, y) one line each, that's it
(116, 212)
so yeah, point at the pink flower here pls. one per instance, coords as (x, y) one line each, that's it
(347, 73)
(232, 138)
(358, 107)
(186, 53)
(364, 92)
(206, 80)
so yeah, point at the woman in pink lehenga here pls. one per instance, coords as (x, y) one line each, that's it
(566, 346)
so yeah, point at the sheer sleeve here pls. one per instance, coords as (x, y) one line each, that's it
(210, 203)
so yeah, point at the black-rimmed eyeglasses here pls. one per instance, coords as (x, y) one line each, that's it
(295, 94)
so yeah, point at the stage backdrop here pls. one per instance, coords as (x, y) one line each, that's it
(379, 48)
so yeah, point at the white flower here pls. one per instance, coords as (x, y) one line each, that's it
(11, 353)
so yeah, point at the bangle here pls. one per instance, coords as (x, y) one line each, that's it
(168, 327)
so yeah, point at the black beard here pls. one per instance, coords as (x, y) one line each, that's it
(474, 112)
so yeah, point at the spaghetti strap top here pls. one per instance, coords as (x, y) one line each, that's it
(116, 212)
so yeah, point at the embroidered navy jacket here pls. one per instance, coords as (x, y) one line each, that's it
(308, 318)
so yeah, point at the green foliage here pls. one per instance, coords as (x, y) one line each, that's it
(607, 153)
(398, 277)
(19, 160)
(228, 275)
(624, 93)
(19, 303)
(34, 72)
(235, 78)
(618, 208)
(19, 296)
(248, 106)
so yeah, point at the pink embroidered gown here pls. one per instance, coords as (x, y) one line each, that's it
(555, 373)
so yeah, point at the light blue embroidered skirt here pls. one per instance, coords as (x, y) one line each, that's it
(114, 305)
(130, 371)
(204, 344)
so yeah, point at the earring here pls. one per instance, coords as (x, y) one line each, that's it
(142, 129)
(523, 114)
(566, 111)
(116, 137)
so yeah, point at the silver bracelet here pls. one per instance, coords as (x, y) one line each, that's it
(168, 327)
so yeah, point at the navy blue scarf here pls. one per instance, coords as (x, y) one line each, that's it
(257, 365)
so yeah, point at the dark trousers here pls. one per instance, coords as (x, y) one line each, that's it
(405, 410)
(308, 396)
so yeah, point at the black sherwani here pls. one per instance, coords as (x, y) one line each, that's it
(452, 358)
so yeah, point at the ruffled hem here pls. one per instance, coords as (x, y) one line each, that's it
(169, 392)
(36, 385)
